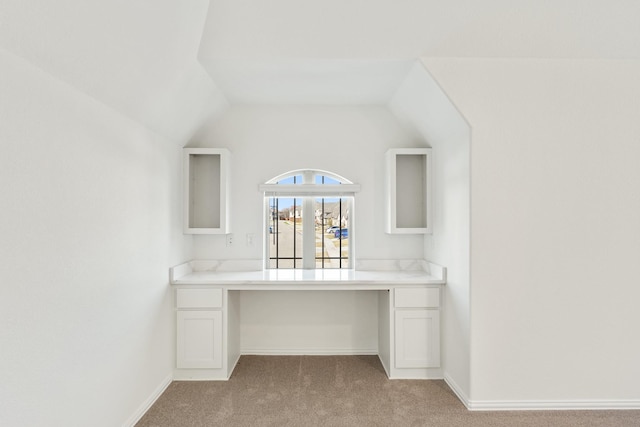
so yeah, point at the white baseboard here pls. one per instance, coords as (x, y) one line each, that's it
(232, 365)
(457, 390)
(384, 366)
(137, 415)
(308, 352)
(552, 405)
(539, 405)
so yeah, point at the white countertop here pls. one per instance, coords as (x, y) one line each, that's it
(211, 273)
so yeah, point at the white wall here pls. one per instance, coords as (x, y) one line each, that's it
(309, 322)
(90, 223)
(266, 141)
(555, 233)
(422, 106)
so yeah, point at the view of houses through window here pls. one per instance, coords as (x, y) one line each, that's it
(330, 228)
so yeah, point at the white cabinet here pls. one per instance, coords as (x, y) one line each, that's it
(199, 339)
(205, 187)
(408, 189)
(209, 324)
(417, 327)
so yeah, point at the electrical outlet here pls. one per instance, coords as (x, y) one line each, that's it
(251, 239)
(229, 239)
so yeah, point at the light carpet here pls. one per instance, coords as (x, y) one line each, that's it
(340, 391)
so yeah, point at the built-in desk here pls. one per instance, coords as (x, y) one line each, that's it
(208, 311)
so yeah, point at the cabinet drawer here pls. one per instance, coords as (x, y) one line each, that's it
(199, 298)
(417, 297)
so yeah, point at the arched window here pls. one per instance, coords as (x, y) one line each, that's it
(309, 220)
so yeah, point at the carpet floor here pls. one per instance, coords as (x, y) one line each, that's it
(340, 391)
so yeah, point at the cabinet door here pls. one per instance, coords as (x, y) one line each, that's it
(199, 339)
(417, 338)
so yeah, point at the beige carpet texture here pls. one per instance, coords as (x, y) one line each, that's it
(340, 391)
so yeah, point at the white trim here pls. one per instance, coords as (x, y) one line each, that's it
(309, 352)
(308, 244)
(384, 365)
(144, 407)
(416, 374)
(309, 190)
(551, 405)
(457, 390)
(295, 172)
(539, 405)
(200, 375)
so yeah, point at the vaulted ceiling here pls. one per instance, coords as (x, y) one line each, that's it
(170, 64)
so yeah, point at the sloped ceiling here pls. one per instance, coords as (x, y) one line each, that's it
(138, 57)
(152, 59)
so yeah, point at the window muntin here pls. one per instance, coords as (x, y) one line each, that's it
(308, 231)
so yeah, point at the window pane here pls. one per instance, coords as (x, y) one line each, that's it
(285, 233)
(332, 232)
(296, 179)
(322, 179)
